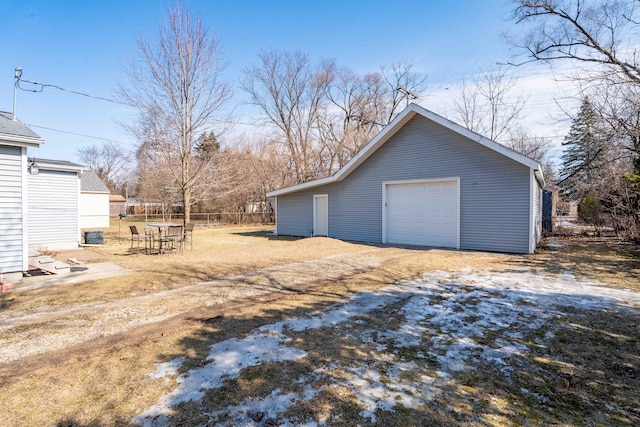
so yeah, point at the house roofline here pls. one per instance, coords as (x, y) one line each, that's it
(20, 140)
(385, 134)
(59, 165)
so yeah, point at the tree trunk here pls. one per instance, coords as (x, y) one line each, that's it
(186, 190)
(186, 202)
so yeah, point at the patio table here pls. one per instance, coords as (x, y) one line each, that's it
(161, 227)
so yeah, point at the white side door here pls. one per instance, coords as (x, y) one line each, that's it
(320, 215)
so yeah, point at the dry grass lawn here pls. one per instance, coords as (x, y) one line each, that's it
(252, 279)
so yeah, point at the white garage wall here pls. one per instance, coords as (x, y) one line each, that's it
(53, 210)
(11, 208)
(94, 210)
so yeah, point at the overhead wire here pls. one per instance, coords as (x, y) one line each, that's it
(78, 134)
(44, 85)
(254, 124)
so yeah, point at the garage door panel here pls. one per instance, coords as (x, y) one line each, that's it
(423, 213)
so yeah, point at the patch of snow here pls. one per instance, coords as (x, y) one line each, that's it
(377, 393)
(167, 368)
(228, 359)
(446, 317)
(269, 407)
(565, 223)
(555, 244)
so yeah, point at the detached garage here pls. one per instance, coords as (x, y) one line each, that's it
(424, 181)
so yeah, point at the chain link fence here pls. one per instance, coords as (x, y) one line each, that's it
(209, 218)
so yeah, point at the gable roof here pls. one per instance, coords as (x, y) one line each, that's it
(401, 119)
(90, 182)
(14, 132)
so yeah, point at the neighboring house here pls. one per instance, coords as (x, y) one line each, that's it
(423, 180)
(15, 138)
(117, 205)
(54, 205)
(94, 201)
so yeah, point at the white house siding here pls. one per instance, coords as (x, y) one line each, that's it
(494, 190)
(53, 210)
(11, 198)
(94, 210)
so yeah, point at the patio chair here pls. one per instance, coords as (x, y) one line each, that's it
(136, 237)
(151, 238)
(172, 240)
(188, 235)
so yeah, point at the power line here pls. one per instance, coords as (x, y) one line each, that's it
(101, 98)
(78, 134)
(75, 92)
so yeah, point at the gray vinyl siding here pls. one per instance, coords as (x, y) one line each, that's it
(494, 190)
(11, 229)
(295, 214)
(53, 208)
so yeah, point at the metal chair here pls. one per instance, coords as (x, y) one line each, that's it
(135, 237)
(188, 234)
(150, 240)
(172, 240)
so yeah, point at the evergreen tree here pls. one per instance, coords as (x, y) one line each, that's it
(207, 145)
(585, 153)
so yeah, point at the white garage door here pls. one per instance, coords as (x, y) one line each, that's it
(423, 213)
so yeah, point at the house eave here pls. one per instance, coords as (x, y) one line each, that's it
(303, 186)
(20, 140)
(46, 165)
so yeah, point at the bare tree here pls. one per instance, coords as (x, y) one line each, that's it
(603, 37)
(107, 160)
(536, 148)
(489, 105)
(359, 107)
(324, 114)
(602, 33)
(619, 106)
(177, 88)
(402, 85)
(286, 88)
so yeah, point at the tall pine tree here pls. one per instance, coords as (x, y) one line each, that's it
(586, 149)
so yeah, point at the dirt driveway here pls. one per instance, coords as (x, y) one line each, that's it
(83, 355)
(50, 328)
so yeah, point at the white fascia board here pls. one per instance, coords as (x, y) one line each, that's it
(20, 141)
(532, 213)
(43, 164)
(303, 186)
